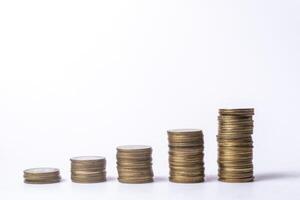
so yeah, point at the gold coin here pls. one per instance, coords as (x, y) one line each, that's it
(134, 148)
(134, 181)
(88, 169)
(134, 164)
(41, 175)
(180, 179)
(236, 180)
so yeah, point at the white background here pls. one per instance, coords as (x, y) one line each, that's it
(81, 77)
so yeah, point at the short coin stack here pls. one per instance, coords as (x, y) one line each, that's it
(88, 169)
(235, 145)
(41, 175)
(134, 164)
(186, 155)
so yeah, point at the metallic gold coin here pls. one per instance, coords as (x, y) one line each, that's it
(236, 176)
(136, 176)
(90, 180)
(134, 164)
(41, 175)
(235, 170)
(239, 111)
(173, 145)
(88, 169)
(41, 171)
(90, 176)
(134, 148)
(42, 181)
(185, 160)
(134, 167)
(235, 149)
(235, 145)
(186, 149)
(184, 131)
(88, 159)
(188, 174)
(237, 180)
(186, 155)
(233, 117)
(137, 154)
(184, 179)
(184, 137)
(135, 181)
(186, 167)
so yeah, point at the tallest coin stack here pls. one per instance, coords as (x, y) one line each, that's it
(235, 145)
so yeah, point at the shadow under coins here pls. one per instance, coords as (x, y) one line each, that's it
(276, 176)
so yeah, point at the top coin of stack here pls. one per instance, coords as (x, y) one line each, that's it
(186, 155)
(134, 164)
(235, 145)
(88, 169)
(41, 175)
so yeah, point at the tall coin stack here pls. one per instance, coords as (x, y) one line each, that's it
(134, 164)
(235, 145)
(186, 155)
(88, 169)
(41, 175)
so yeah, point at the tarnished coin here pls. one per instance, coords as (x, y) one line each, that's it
(134, 148)
(134, 164)
(235, 153)
(237, 180)
(42, 175)
(88, 159)
(88, 169)
(186, 155)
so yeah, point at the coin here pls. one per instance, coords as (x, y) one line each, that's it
(186, 155)
(41, 175)
(88, 169)
(235, 152)
(134, 164)
(185, 179)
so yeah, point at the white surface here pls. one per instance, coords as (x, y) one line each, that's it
(82, 77)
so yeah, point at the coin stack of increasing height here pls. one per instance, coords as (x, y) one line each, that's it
(186, 155)
(134, 164)
(88, 169)
(235, 145)
(41, 175)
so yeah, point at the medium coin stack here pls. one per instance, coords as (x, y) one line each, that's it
(41, 175)
(186, 155)
(134, 164)
(235, 145)
(88, 169)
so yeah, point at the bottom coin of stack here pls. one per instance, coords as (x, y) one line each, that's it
(88, 169)
(134, 164)
(41, 175)
(186, 155)
(235, 145)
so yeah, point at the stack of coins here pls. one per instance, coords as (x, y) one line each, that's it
(134, 164)
(235, 145)
(41, 175)
(88, 169)
(186, 155)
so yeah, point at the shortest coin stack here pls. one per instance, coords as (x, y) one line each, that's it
(88, 169)
(134, 164)
(41, 175)
(186, 155)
